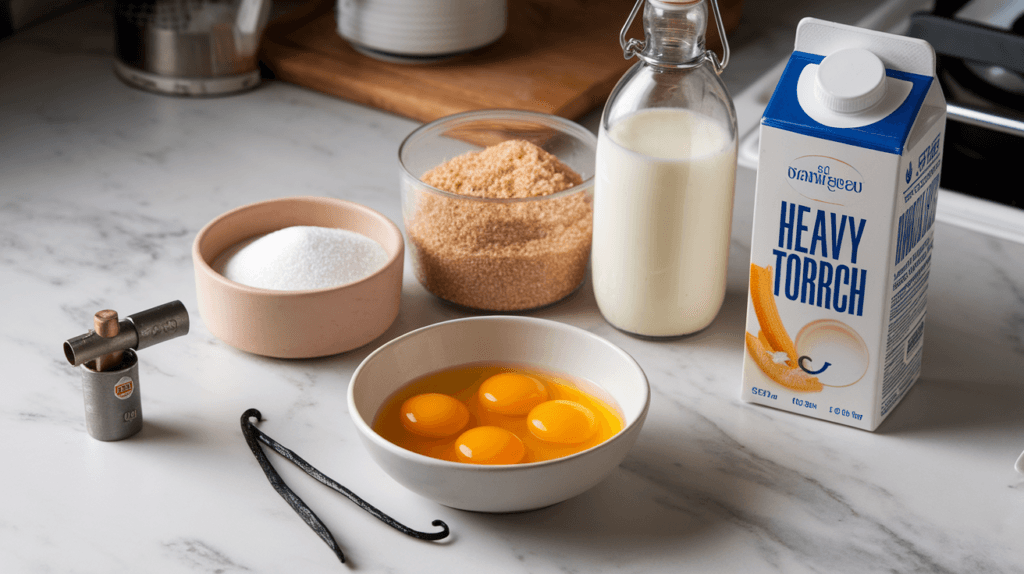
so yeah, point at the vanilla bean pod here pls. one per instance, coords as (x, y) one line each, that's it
(254, 436)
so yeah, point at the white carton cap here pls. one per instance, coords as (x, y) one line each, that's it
(850, 81)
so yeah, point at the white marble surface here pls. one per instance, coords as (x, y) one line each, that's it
(102, 189)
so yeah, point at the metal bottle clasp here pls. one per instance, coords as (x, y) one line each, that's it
(633, 47)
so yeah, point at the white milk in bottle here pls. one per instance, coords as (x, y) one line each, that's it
(665, 178)
(663, 187)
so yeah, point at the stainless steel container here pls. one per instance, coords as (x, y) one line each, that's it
(189, 47)
(109, 365)
(113, 405)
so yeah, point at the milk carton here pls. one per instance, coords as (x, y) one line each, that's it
(847, 182)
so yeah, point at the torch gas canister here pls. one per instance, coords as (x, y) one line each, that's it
(113, 404)
(109, 365)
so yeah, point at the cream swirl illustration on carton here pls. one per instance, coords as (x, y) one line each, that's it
(847, 183)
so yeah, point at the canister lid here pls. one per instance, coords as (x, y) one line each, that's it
(850, 80)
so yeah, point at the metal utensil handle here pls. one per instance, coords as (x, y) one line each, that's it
(633, 47)
(719, 65)
(137, 331)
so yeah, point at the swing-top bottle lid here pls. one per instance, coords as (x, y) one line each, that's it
(674, 34)
(674, 31)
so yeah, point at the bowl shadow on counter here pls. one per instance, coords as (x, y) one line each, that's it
(418, 309)
(651, 501)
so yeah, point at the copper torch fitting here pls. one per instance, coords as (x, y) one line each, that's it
(106, 325)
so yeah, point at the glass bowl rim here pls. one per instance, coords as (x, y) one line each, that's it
(563, 125)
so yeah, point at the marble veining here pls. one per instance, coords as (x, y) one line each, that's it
(102, 190)
(196, 555)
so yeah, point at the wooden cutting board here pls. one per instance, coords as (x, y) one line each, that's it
(560, 57)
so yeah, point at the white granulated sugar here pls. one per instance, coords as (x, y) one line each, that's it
(303, 257)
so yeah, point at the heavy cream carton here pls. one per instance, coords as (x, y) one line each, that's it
(847, 182)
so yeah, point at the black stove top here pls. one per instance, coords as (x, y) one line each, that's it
(980, 47)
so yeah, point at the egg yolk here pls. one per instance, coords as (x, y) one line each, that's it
(511, 393)
(489, 445)
(563, 422)
(438, 415)
(434, 415)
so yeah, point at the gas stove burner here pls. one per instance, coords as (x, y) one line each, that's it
(980, 44)
(998, 77)
(992, 87)
(980, 48)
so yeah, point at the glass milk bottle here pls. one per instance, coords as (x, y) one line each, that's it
(666, 169)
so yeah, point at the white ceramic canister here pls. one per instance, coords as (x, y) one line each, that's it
(415, 29)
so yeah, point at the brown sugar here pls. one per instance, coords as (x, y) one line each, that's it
(514, 168)
(510, 255)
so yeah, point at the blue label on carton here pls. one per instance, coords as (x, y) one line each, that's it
(887, 135)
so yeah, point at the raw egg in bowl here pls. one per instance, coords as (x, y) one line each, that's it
(543, 411)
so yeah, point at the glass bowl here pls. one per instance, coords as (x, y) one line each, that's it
(494, 254)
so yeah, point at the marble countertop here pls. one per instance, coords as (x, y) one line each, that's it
(102, 190)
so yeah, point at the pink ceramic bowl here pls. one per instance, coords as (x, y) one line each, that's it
(298, 324)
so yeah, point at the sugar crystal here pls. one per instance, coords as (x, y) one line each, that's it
(302, 257)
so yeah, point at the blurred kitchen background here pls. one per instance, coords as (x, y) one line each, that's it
(16, 14)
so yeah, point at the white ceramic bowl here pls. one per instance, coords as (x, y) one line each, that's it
(420, 28)
(508, 488)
